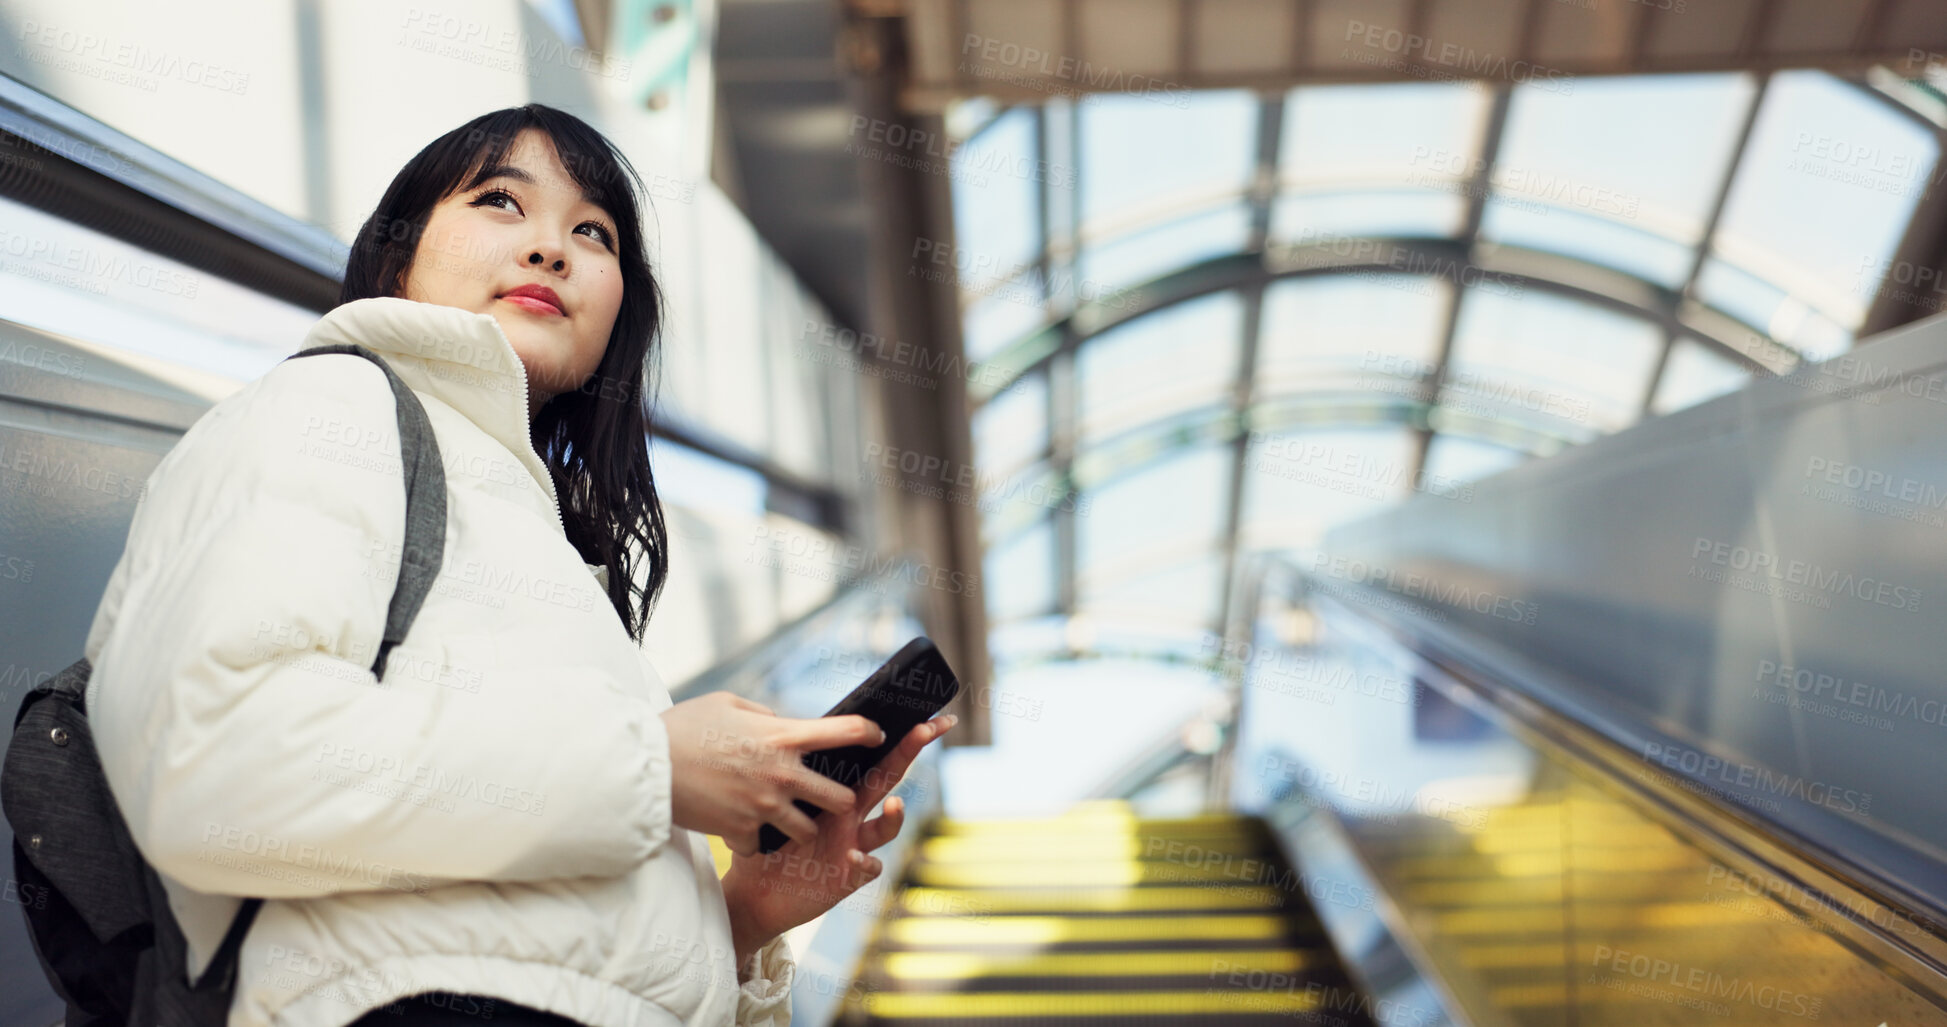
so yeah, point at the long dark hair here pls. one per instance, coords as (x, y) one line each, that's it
(595, 439)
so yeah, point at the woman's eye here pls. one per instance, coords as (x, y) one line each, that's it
(487, 197)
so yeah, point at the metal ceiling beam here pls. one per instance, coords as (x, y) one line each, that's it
(1237, 270)
(1923, 245)
(1270, 131)
(1478, 189)
(1133, 451)
(1706, 239)
(1061, 143)
(911, 205)
(935, 98)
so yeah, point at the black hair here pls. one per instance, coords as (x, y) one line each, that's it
(594, 439)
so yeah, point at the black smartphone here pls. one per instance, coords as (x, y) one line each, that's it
(906, 691)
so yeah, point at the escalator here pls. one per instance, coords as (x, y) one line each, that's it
(1431, 855)
(1100, 916)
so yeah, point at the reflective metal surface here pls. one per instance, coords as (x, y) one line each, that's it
(1522, 885)
(1743, 594)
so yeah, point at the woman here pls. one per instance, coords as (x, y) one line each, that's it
(509, 825)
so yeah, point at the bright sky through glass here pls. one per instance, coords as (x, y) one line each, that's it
(1603, 195)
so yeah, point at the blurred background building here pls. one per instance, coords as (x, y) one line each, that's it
(1437, 505)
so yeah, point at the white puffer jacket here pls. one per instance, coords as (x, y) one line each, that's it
(494, 815)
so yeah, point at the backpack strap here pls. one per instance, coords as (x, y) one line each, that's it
(425, 475)
(419, 563)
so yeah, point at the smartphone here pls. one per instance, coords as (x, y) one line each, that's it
(906, 691)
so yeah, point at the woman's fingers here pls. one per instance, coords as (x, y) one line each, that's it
(822, 791)
(819, 733)
(881, 779)
(866, 866)
(884, 827)
(793, 822)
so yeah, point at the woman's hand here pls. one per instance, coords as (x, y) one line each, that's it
(736, 766)
(770, 894)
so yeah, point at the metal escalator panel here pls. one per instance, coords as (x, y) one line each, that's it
(1528, 873)
(1101, 917)
(1575, 907)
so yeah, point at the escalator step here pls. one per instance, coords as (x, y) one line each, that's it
(976, 901)
(1100, 1007)
(1104, 818)
(1100, 917)
(1057, 930)
(1178, 961)
(1086, 845)
(1027, 873)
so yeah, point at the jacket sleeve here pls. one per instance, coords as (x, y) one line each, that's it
(765, 999)
(233, 648)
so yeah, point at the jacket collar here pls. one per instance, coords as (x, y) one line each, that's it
(458, 356)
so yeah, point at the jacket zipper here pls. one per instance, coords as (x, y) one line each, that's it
(527, 435)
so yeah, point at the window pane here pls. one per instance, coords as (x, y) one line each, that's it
(1376, 160)
(1695, 373)
(1160, 363)
(1313, 219)
(804, 377)
(1585, 236)
(1770, 310)
(1428, 134)
(1182, 593)
(1002, 318)
(1650, 151)
(996, 197)
(1135, 151)
(1825, 192)
(735, 578)
(1547, 359)
(1172, 504)
(1358, 331)
(1298, 484)
(1012, 428)
(1138, 257)
(696, 480)
(1019, 573)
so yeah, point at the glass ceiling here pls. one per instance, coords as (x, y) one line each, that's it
(1233, 324)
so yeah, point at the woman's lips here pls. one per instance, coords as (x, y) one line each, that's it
(529, 303)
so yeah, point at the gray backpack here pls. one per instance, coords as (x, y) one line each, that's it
(104, 934)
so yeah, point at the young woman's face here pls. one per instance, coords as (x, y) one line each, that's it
(527, 228)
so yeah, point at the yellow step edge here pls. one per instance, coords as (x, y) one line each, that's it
(1109, 821)
(970, 965)
(1124, 872)
(1464, 867)
(1547, 995)
(1029, 930)
(1650, 915)
(922, 901)
(922, 1005)
(1489, 891)
(1089, 846)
